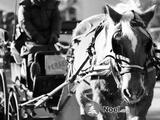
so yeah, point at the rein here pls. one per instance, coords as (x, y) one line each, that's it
(119, 69)
(116, 68)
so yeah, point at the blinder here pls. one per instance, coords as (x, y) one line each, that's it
(117, 36)
(118, 48)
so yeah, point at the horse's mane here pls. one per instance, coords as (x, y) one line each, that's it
(87, 25)
(90, 23)
(128, 5)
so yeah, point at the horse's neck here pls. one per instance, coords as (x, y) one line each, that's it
(87, 26)
(103, 44)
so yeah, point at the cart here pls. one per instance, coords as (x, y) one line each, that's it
(16, 103)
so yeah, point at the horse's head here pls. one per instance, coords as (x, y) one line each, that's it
(132, 45)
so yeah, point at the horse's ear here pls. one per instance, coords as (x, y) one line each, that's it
(148, 15)
(115, 16)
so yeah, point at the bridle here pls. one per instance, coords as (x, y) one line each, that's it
(118, 69)
(122, 69)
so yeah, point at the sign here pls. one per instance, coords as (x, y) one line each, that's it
(55, 65)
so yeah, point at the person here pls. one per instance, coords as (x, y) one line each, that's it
(4, 49)
(39, 22)
(3, 36)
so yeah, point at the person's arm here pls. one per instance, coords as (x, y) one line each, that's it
(55, 25)
(26, 25)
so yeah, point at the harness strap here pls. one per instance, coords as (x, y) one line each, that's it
(116, 75)
(98, 29)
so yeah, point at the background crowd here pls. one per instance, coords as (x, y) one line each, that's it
(70, 11)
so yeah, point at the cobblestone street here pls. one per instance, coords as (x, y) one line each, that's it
(154, 111)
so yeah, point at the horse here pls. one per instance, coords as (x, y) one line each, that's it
(115, 74)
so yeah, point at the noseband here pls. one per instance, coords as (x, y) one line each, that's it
(127, 67)
(121, 69)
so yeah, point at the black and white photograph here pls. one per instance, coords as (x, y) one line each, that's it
(79, 59)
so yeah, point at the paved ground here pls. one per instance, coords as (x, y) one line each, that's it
(154, 111)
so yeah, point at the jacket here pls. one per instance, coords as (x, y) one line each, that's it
(39, 21)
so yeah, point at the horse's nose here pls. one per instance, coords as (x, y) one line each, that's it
(133, 94)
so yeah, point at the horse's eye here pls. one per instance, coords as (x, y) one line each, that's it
(117, 35)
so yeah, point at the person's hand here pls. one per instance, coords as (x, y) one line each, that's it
(61, 47)
(40, 40)
(53, 39)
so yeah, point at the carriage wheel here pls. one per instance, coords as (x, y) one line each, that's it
(13, 108)
(3, 96)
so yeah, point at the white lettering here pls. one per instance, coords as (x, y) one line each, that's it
(109, 109)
